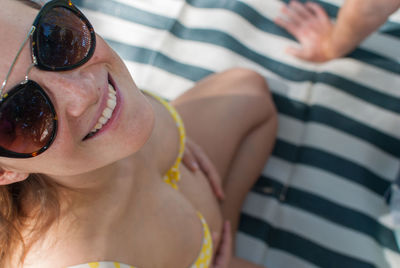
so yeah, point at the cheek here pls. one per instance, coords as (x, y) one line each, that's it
(102, 53)
(138, 125)
(107, 55)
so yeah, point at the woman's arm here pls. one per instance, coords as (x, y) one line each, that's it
(356, 20)
(321, 40)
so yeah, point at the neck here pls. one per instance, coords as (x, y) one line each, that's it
(102, 188)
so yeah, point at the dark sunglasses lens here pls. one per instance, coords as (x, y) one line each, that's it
(26, 120)
(63, 39)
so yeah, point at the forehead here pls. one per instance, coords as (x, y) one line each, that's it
(15, 20)
(15, 17)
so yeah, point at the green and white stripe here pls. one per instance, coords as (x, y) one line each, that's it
(338, 145)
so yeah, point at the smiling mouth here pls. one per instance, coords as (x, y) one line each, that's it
(107, 112)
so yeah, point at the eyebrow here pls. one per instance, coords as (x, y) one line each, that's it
(30, 3)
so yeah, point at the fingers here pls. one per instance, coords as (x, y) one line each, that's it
(311, 26)
(319, 12)
(293, 17)
(297, 12)
(297, 52)
(224, 252)
(302, 11)
(297, 16)
(209, 169)
(189, 160)
(287, 25)
(213, 177)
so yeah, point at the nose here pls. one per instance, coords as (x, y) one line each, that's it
(76, 92)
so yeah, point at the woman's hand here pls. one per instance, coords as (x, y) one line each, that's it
(311, 26)
(223, 255)
(194, 158)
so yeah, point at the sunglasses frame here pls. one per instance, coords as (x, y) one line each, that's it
(34, 44)
(12, 92)
(36, 63)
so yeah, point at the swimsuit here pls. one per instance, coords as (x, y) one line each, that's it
(172, 178)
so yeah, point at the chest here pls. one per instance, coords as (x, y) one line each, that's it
(160, 228)
(165, 223)
(168, 226)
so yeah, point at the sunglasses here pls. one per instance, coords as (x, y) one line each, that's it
(61, 39)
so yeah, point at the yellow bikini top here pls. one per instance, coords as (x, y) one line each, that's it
(172, 178)
(173, 175)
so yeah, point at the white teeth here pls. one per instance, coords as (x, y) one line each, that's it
(111, 103)
(112, 96)
(103, 120)
(108, 111)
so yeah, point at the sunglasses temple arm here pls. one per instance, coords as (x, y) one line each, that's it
(27, 72)
(31, 31)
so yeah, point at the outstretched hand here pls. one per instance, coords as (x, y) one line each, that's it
(311, 26)
(194, 158)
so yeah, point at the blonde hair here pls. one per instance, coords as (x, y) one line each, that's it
(33, 201)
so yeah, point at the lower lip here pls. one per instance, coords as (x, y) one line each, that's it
(114, 115)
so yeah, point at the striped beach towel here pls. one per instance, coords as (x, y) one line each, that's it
(321, 200)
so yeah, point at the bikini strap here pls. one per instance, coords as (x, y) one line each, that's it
(173, 175)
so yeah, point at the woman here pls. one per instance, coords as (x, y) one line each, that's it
(91, 169)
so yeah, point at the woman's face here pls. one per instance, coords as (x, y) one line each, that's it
(79, 97)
